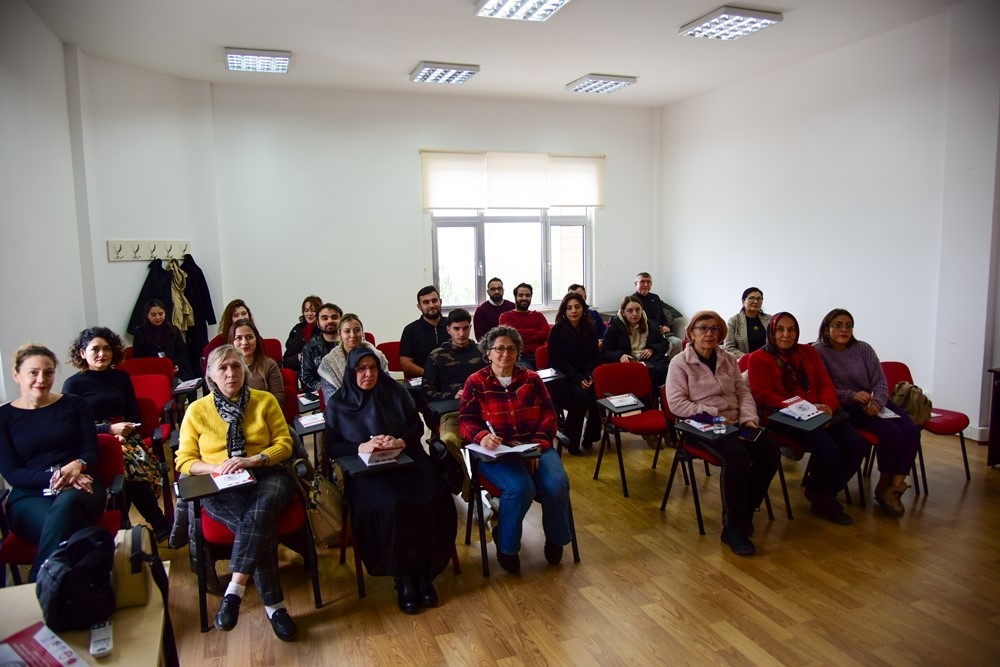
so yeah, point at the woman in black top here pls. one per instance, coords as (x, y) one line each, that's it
(302, 333)
(630, 338)
(47, 441)
(111, 397)
(574, 351)
(159, 338)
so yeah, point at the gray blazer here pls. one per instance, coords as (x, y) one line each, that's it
(736, 339)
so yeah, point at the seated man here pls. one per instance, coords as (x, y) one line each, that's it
(488, 312)
(323, 341)
(423, 334)
(530, 324)
(447, 369)
(599, 326)
(658, 313)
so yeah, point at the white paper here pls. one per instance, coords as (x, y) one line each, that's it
(801, 409)
(699, 425)
(311, 420)
(188, 384)
(886, 413)
(546, 372)
(238, 478)
(502, 450)
(623, 400)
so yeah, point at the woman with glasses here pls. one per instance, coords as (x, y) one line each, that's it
(301, 333)
(507, 404)
(783, 369)
(864, 393)
(705, 379)
(403, 519)
(747, 328)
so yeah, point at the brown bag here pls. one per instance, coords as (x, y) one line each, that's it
(911, 398)
(324, 502)
(130, 573)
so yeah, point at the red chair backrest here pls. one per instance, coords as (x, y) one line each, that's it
(896, 372)
(743, 361)
(272, 348)
(152, 392)
(622, 378)
(390, 349)
(112, 462)
(291, 384)
(149, 366)
(129, 351)
(542, 356)
(370, 337)
(665, 407)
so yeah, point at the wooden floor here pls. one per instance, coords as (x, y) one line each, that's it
(923, 590)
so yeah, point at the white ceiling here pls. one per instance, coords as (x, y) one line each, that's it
(375, 44)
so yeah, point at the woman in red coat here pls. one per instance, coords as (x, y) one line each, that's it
(783, 369)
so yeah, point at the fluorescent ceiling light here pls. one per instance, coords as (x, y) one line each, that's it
(442, 73)
(600, 83)
(729, 23)
(257, 60)
(522, 10)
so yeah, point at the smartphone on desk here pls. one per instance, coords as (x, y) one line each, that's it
(750, 434)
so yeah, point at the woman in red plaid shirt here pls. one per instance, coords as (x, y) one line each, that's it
(508, 404)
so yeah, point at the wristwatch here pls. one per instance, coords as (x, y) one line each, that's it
(264, 458)
(83, 465)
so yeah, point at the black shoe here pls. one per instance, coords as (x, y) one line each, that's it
(428, 595)
(509, 562)
(831, 511)
(178, 537)
(229, 612)
(553, 552)
(283, 625)
(407, 596)
(793, 454)
(738, 542)
(574, 451)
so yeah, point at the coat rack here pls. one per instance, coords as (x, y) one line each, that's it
(145, 251)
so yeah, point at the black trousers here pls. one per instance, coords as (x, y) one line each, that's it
(747, 471)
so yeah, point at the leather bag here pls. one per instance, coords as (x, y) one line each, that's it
(324, 503)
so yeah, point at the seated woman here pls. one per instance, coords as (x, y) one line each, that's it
(864, 392)
(331, 368)
(111, 397)
(704, 378)
(630, 338)
(748, 328)
(235, 310)
(159, 338)
(506, 403)
(235, 428)
(46, 443)
(783, 369)
(263, 372)
(574, 351)
(403, 520)
(301, 333)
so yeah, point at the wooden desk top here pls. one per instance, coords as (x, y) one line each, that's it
(137, 632)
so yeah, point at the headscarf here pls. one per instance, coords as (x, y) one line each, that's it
(357, 414)
(232, 413)
(790, 362)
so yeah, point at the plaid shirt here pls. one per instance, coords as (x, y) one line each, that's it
(520, 413)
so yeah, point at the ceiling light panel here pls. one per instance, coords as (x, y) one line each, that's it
(257, 60)
(729, 23)
(600, 83)
(519, 10)
(453, 73)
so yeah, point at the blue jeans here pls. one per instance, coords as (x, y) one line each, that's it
(549, 486)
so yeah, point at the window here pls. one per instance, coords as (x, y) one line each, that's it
(547, 248)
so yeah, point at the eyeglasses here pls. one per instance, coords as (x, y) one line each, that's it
(500, 349)
(704, 330)
(842, 325)
(755, 299)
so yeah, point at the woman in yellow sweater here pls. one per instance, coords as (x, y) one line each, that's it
(233, 428)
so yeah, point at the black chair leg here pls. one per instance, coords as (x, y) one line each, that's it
(605, 443)
(621, 462)
(572, 531)
(678, 454)
(784, 490)
(694, 491)
(484, 552)
(965, 459)
(199, 545)
(767, 505)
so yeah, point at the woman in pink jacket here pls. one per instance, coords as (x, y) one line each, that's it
(705, 379)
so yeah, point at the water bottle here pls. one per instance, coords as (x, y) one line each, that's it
(719, 425)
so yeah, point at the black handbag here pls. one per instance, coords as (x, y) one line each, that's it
(448, 467)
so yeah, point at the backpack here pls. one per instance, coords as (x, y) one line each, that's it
(74, 583)
(911, 398)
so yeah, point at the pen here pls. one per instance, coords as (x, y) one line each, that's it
(490, 427)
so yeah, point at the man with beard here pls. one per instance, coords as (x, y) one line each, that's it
(531, 324)
(423, 334)
(658, 313)
(323, 341)
(488, 312)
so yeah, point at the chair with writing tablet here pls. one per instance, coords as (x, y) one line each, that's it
(479, 484)
(272, 348)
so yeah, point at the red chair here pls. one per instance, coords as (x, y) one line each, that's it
(542, 356)
(391, 351)
(743, 362)
(156, 407)
(941, 422)
(272, 348)
(215, 542)
(109, 471)
(627, 378)
(129, 351)
(149, 366)
(290, 381)
(685, 453)
(370, 337)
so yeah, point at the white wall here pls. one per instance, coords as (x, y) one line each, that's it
(319, 192)
(841, 181)
(42, 298)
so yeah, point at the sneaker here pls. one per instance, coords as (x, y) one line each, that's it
(283, 625)
(553, 552)
(738, 542)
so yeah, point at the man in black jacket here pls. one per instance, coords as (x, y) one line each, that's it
(323, 341)
(659, 314)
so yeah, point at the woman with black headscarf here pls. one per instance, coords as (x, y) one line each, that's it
(783, 369)
(403, 520)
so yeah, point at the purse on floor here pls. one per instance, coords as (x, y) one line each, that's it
(324, 503)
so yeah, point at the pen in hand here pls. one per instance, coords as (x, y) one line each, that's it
(494, 433)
